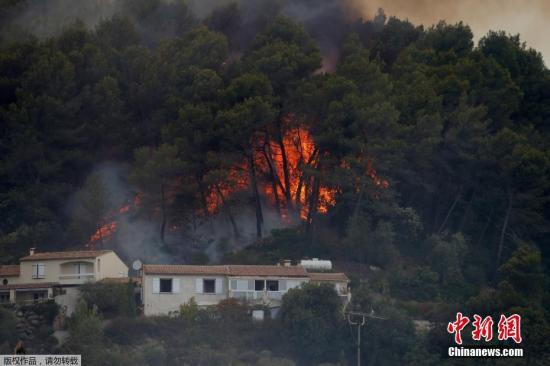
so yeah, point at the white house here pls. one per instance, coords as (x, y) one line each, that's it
(57, 274)
(166, 287)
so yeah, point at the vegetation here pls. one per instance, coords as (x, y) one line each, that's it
(111, 299)
(420, 165)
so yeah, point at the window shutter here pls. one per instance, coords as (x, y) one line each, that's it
(233, 285)
(250, 285)
(219, 286)
(40, 270)
(175, 285)
(282, 285)
(198, 286)
(34, 270)
(156, 285)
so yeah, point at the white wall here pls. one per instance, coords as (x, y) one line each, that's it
(109, 265)
(163, 303)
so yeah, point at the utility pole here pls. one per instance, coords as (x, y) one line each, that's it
(360, 323)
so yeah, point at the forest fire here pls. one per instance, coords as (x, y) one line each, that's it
(106, 230)
(288, 186)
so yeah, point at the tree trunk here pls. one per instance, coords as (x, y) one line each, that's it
(485, 227)
(468, 208)
(255, 194)
(286, 173)
(312, 211)
(504, 225)
(163, 213)
(202, 193)
(274, 179)
(451, 209)
(298, 195)
(227, 210)
(359, 198)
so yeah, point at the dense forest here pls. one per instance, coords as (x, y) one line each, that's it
(413, 157)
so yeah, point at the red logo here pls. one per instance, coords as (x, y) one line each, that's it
(508, 328)
(483, 328)
(457, 326)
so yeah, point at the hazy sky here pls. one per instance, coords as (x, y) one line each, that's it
(529, 18)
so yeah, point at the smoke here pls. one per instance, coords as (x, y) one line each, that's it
(46, 18)
(326, 20)
(137, 234)
(134, 236)
(529, 18)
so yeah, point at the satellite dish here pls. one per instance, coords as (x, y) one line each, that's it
(136, 265)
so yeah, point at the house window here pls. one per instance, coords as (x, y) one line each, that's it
(272, 285)
(165, 285)
(38, 270)
(4, 297)
(98, 265)
(5, 281)
(209, 286)
(259, 285)
(38, 296)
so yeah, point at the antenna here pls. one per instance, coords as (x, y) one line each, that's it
(136, 265)
(360, 323)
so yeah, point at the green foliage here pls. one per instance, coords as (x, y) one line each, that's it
(524, 272)
(436, 151)
(190, 310)
(8, 330)
(311, 318)
(48, 309)
(86, 334)
(110, 299)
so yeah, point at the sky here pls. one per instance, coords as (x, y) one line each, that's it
(529, 18)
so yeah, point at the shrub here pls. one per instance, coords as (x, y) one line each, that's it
(111, 299)
(129, 330)
(232, 310)
(190, 310)
(8, 331)
(312, 321)
(48, 309)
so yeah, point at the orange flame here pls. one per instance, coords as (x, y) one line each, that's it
(105, 231)
(300, 152)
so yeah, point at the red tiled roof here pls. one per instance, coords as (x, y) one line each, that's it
(259, 270)
(9, 270)
(184, 269)
(40, 285)
(80, 254)
(227, 270)
(327, 276)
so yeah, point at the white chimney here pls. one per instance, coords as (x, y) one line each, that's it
(287, 263)
(31, 251)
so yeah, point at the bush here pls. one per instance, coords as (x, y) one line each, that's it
(312, 321)
(232, 310)
(190, 310)
(420, 283)
(129, 330)
(48, 309)
(111, 299)
(8, 331)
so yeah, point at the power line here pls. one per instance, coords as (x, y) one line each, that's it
(360, 323)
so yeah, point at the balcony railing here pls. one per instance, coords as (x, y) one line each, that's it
(256, 295)
(77, 276)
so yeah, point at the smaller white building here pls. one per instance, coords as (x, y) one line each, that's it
(166, 287)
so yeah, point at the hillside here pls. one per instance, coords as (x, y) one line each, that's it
(414, 158)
